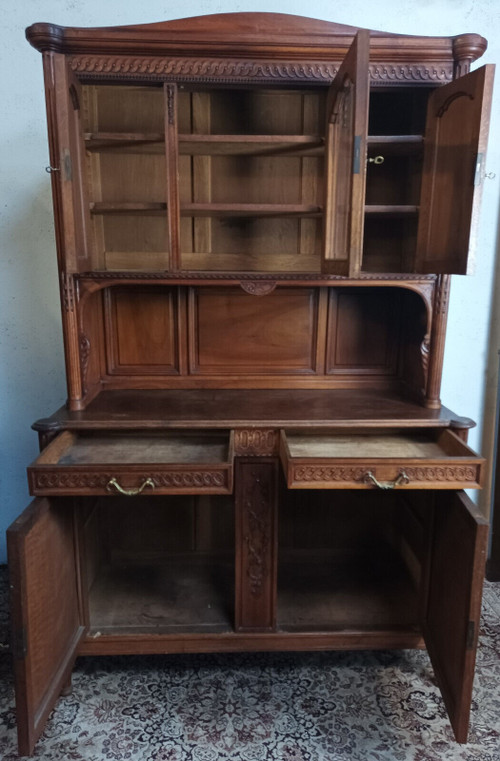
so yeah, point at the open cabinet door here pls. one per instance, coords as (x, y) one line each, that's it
(345, 161)
(456, 137)
(454, 602)
(46, 621)
(68, 165)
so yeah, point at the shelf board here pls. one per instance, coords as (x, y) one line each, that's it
(204, 145)
(255, 145)
(112, 207)
(395, 145)
(250, 210)
(395, 139)
(236, 408)
(393, 211)
(125, 142)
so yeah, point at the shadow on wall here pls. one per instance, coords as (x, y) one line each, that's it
(490, 414)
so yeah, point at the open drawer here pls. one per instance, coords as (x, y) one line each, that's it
(159, 463)
(423, 459)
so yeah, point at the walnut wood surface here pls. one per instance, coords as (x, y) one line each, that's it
(45, 612)
(452, 622)
(447, 222)
(232, 408)
(190, 229)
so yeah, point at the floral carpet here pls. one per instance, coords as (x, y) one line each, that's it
(370, 706)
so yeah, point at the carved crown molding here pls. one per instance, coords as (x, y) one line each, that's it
(229, 70)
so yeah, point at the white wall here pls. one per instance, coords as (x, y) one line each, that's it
(31, 361)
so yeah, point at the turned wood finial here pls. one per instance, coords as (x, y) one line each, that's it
(466, 49)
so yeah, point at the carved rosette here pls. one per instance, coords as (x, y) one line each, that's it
(258, 287)
(216, 69)
(256, 442)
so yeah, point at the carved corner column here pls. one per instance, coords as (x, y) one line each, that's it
(438, 335)
(256, 507)
(76, 345)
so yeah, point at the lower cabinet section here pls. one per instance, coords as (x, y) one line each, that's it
(268, 568)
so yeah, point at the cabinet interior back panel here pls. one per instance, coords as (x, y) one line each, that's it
(142, 330)
(363, 330)
(229, 335)
(337, 334)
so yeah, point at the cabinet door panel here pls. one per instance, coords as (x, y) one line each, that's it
(454, 602)
(346, 135)
(67, 156)
(46, 625)
(455, 145)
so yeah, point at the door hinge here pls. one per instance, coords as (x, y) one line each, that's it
(356, 156)
(20, 644)
(479, 173)
(471, 635)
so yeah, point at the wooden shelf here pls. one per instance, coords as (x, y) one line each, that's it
(251, 145)
(125, 142)
(395, 145)
(250, 210)
(391, 210)
(395, 139)
(105, 207)
(203, 145)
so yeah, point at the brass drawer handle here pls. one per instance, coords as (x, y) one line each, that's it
(402, 478)
(113, 483)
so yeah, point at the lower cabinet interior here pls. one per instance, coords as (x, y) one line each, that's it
(349, 560)
(159, 565)
(346, 560)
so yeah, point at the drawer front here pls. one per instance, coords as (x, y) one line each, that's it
(81, 466)
(385, 461)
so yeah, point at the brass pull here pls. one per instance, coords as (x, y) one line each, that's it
(402, 478)
(129, 492)
(376, 160)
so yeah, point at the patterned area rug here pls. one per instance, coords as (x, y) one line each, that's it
(381, 706)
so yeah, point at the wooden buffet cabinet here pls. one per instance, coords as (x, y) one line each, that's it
(256, 219)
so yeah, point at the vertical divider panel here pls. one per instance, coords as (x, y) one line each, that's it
(256, 507)
(172, 184)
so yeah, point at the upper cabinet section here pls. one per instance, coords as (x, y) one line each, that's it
(263, 143)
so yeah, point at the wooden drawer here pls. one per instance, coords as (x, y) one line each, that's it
(423, 459)
(135, 463)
